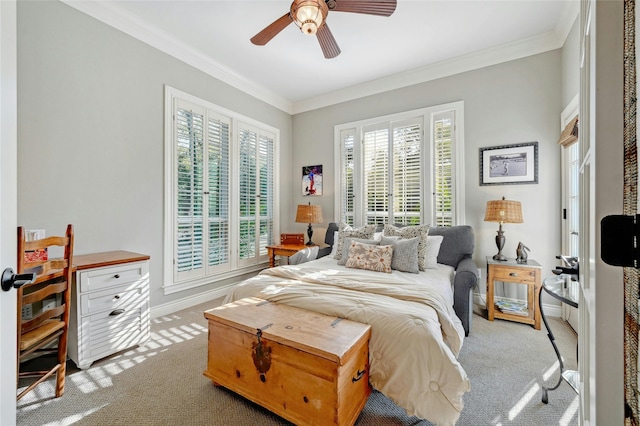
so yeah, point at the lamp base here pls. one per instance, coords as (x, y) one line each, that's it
(500, 244)
(310, 234)
(500, 257)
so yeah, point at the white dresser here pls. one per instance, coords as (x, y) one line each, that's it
(109, 305)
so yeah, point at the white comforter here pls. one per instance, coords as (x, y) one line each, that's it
(415, 334)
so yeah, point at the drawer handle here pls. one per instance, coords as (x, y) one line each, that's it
(513, 274)
(117, 312)
(116, 276)
(358, 376)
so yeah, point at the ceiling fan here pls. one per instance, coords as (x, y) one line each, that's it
(310, 16)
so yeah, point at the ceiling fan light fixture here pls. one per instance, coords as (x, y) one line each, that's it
(309, 15)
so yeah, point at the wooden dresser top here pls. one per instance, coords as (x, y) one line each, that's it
(106, 258)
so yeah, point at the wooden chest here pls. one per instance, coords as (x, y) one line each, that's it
(309, 368)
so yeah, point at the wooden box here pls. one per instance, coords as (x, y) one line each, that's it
(310, 369)
(291, 238)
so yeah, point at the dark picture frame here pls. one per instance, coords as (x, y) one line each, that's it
(515, 164)
(312, 180)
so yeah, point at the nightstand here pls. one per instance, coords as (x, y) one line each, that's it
(510, 271)
(283, 250)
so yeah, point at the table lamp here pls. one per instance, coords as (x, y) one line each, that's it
(309, 214)
(502, 211)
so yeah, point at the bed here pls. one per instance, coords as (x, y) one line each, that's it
(416, 332)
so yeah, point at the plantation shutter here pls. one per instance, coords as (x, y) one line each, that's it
(218, 189)
(256, 169)
(221, 200)
(248, 192)
(347, 138)
(406, 172)
(266, 151)
(189, 215)
(443, 143)
(375, 153)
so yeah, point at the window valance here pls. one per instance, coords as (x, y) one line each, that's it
(569, 134)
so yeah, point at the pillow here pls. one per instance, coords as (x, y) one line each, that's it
(419, 231)
(365, 232)
(335, 244)
(370, 257)
(305, 255)
(433, 249)
(346, 245)
(405, 253)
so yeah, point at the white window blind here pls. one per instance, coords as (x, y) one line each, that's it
(347, 138)
(407, 172)
(375, 148)
(218, 163)
(202, 192)
(256, 192)
(443, 168)
(221, 202)
(402, 168)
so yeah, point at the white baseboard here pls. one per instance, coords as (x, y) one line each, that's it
(187, 302)
(549, 310)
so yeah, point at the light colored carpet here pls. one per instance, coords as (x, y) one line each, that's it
(161, 382)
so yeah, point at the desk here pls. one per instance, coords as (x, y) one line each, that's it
(555, 286)
(283, 250)
(510, 271)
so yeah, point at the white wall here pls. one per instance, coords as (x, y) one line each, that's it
(90, 100)
(514, 102)
(571, 65)
(90, 132)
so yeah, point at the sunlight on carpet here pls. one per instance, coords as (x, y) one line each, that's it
(164, 384)
(99, 377)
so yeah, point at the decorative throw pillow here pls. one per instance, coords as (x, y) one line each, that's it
(405, 253)
(433, 249)
(419, 231)
(335, 244)
(370, 257)
(365, 232)
(346, 245)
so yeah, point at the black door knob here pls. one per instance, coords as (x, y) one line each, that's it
(11, 280)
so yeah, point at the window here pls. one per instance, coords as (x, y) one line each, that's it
(402, 168)
(220, 192)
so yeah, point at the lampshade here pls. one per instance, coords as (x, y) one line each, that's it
(503, 211)
(309, 214)
(309, 15)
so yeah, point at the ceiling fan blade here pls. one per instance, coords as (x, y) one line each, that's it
(370, 7)
(328, 44)
(264, 36)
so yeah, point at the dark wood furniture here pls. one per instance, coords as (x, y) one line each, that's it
(291, 238)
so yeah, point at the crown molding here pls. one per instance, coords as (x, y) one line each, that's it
(121, 20)
(508, 52)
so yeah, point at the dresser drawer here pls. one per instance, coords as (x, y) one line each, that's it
(99, 279)
(123, 296)
(514, 274)
(107, 334)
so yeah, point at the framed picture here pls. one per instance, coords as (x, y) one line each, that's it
(312, 180)
(509, 164)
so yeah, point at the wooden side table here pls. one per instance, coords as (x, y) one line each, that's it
(510, 271)
(283, 250)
